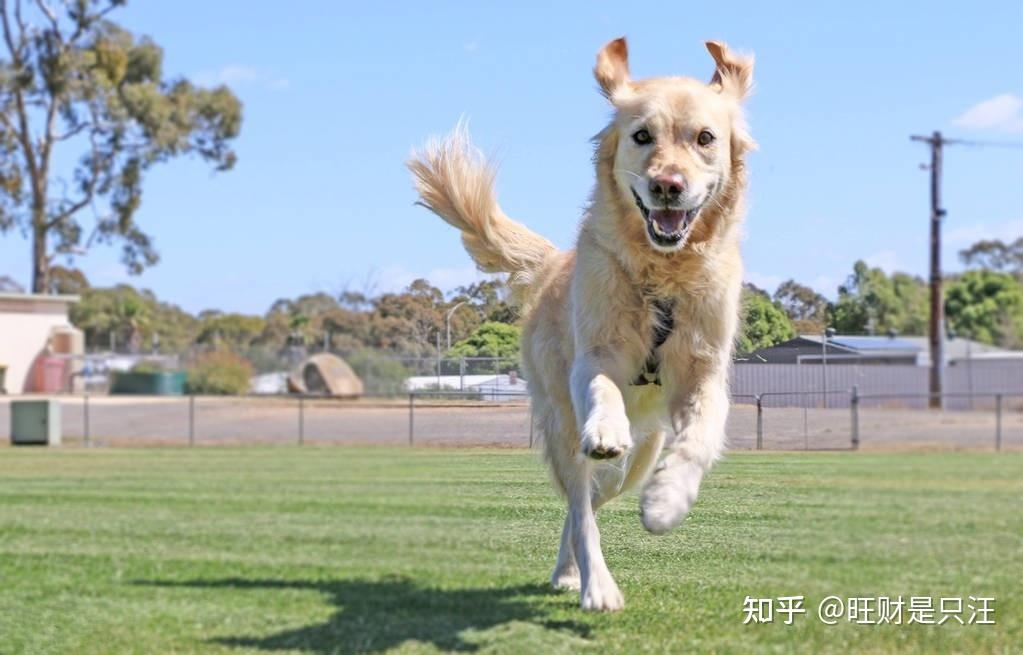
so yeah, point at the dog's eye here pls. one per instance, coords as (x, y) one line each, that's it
(642, 137)
(705, 138)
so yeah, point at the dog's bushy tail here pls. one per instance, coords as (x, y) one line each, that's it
(455, 181)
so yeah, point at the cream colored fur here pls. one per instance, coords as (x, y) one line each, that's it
(588, 313)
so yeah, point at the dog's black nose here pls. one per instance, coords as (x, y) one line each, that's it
(667, 188)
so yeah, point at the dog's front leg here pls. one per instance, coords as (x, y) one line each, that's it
(599, 408)
(698, 413)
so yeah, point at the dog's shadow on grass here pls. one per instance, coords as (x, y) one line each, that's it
(373, 616)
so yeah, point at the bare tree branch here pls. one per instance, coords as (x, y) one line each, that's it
(48, 12)
(88, 193)
(22, 29)
(73, 132)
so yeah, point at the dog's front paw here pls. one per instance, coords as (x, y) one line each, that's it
(669, 495)
(566, 580)
(566, 576)
(606, 435)
(601, 594)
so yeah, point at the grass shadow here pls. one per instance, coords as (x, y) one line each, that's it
(374, 616)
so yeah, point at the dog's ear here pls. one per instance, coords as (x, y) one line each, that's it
(733, 73)
(612, 69)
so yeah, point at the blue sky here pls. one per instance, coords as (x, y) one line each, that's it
(337, 94)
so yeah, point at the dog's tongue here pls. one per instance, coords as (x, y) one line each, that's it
(668, 220)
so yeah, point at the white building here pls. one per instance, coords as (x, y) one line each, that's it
(32, 327)
(958, 349)
(490, 387)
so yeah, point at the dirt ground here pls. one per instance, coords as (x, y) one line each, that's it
(207, 420)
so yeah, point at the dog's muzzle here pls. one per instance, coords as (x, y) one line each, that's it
(667, 227)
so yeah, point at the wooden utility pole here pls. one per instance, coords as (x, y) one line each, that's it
(937, 322)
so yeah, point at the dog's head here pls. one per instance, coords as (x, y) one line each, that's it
(674, 141)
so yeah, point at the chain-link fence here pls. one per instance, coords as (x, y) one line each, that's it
(383, 375)
(774, 420)
(806, 420)
(389, 375)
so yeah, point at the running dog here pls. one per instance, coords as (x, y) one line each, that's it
(627, 338)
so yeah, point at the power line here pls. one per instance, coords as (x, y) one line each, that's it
(985, 144)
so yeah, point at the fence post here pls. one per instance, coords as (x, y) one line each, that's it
(998, 422)
(461, 373)
(85, 420)
(411, 415)
(854, 407)
(191, 419)
(301, 420)
(531, 425)
(760, 422)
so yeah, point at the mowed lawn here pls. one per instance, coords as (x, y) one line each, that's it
(340, 549)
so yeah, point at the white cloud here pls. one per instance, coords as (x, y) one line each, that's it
(235, 75)
(970, 234)
(1002, 113)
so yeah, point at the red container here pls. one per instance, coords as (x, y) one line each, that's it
(50, 374)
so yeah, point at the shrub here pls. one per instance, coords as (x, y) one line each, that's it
(447, 392)
(220, 372)
(149, 366)
(491, 340)
(381, 375)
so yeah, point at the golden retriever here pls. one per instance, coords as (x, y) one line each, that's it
(627, 338)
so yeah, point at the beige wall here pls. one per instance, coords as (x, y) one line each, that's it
(25, 325)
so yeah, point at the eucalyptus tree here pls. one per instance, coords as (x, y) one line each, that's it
(85, 111)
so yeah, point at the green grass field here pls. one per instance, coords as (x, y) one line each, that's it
(337, 549)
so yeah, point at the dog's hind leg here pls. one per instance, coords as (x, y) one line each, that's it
(608, 483)
(566, 571)
(598, 590)
(580, 539)
(572, 472)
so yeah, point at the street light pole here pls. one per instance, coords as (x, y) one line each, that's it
(969, 367)
(447, 321)
(828, 333)
(438, 360)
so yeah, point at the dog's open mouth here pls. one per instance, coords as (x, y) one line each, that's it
(666, 227)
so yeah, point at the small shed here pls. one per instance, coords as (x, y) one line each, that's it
(36, 339)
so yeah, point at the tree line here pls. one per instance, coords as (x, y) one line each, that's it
(408, 323)
(984, 302)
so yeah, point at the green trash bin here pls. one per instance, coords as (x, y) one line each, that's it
(163, 383)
